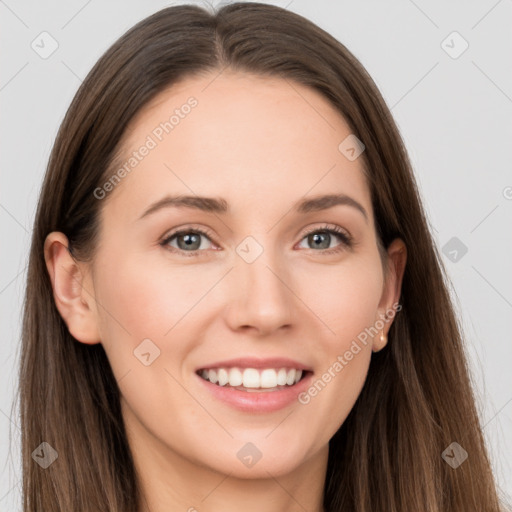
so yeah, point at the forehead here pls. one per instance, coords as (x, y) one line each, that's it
(244, 137)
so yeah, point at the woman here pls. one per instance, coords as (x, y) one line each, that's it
(233, 298)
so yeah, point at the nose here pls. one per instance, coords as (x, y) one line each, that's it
(261, 297)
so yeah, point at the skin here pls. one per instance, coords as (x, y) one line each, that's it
(253, 141)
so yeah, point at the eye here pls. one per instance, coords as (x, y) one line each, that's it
(188, 241)
(321, 238)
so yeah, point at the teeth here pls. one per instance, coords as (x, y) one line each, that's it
(235, 377)
(212, 376)
(281, 377)
(290, 378)
(268, 379)
(223, 377)
(252, 378)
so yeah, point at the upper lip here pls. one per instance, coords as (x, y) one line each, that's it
(254, 362)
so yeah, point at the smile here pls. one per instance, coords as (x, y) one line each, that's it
(247, 379)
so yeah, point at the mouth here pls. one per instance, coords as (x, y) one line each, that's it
(251, 380)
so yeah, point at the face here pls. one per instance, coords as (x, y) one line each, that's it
(248, 279)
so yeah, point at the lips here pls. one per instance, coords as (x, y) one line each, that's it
(256, 400)
(254, 384)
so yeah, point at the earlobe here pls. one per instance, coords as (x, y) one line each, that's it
(75, 303)
(397, 258)
(380, 341)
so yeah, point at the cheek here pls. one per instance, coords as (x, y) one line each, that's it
(144, 301)
(346, 301)
(344, 297)
(150, 301)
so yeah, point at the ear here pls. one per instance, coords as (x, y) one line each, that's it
(76, 304)
(397, 257)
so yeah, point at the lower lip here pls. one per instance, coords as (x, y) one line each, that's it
(254, 401)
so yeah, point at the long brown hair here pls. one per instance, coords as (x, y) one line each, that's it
(417, 398)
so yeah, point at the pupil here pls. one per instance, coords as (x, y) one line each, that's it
(190, 240)
(316, 239)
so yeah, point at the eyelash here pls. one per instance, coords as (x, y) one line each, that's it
(346, 239)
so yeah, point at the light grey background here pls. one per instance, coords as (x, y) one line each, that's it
(455, 115)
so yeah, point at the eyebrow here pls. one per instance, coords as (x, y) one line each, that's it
(220, 206)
